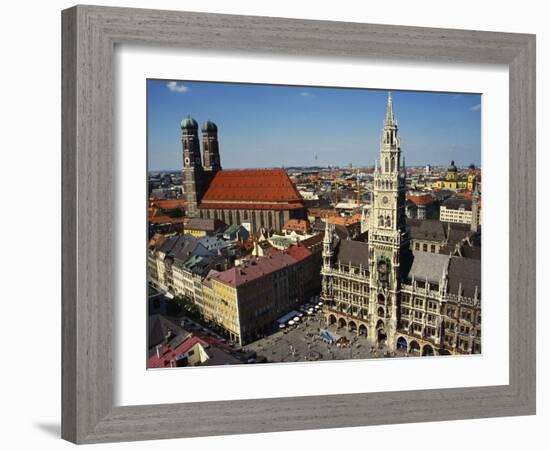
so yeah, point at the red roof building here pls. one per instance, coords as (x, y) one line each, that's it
(255, 198)
(253, 268)
(421, 200)
(298, 225)
(263, 198)
(298, 252)
(167, 354)
(167, 204)
(260, 189)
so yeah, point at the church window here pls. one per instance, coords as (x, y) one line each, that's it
(425, 247)
(388, 221)
(238, 221)
(386, 164)
(393, 164)
(380, 221)
(245, 214)
(270, 219)
(262, 219)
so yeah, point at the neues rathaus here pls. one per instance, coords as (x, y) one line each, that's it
(423, 302)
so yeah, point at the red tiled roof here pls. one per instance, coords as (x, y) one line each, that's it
(165, 219)
(339, 220)
(249, 185)
(421, 200)
(254, 268)
(167, 353)
(296, 224)
(268, 206)
(298, 252)
(168, 204)
(319, 212)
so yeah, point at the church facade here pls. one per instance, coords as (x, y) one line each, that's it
(256, 198)
(420, 302)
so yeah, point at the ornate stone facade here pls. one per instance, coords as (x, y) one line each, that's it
(426, 303)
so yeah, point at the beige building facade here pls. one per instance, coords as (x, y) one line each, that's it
(422, 302)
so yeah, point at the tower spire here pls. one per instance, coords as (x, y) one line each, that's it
(389, 113)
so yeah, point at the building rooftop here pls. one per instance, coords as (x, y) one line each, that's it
(458, 203)
(196, 223)
(254, 185)
(297, 225)
(428, 266)
(421, 200)
(355, 253)
(253, 268)
(160, 327)
(298, 252)
(181, 247)
(168, 204)
(465, 273)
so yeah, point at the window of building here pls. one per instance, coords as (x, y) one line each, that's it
(432, 248)
(425, 247)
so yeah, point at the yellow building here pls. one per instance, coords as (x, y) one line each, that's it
(246, 299)
(453, 180)
(202, 227)
(226, 310)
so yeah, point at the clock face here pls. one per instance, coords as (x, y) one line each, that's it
(385, 200)
(186, 161)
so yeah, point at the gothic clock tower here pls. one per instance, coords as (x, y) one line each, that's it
(388, 239)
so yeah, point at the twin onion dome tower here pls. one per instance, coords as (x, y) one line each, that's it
(261, 198)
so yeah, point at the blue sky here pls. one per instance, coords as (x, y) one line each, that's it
(272, 126)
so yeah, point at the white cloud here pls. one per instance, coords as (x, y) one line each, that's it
(307, 94)
(476, 107)
(457, 96)
(174, 86)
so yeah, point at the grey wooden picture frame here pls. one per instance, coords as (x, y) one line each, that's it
(90, 34)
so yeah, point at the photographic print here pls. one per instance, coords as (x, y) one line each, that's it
(291, 224)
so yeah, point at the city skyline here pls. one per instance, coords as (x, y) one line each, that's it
(275, 126)
(263, 258)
